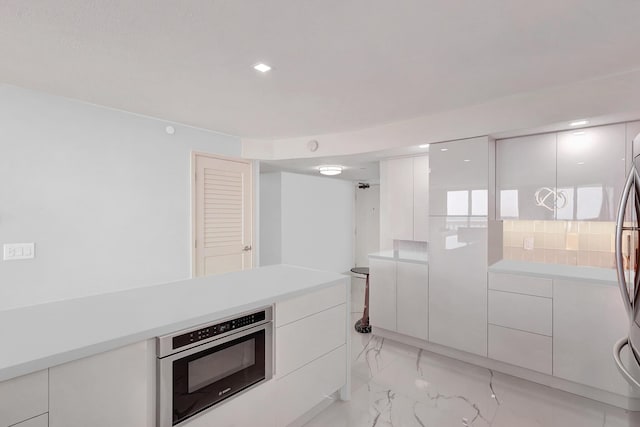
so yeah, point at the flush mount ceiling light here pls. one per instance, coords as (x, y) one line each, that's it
(444, 149)
(579, 123)
(330, 169)
(263, 68)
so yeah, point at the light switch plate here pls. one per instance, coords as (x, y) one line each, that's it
(528, 243)
(15, 251)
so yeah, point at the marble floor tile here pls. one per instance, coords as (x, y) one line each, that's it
(394, 384)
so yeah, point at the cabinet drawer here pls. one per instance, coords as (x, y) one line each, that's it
(24, 397)
(254, 407)
(291, 310)
(41, 421)
(524, 312)
(531, 351)
(528, 285)
(301, 342)
(307, 387)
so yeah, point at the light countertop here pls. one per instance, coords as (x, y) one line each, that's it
(41, 336)
(416, 257)
(558, 271)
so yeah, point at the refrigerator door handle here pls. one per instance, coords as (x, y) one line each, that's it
(617, 349)
(632, 182)
(636, 277)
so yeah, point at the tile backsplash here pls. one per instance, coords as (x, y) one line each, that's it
(560, 242)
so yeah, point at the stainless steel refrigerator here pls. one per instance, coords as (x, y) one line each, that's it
(627, 265)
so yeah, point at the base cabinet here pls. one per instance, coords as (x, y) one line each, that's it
(116, 388)
(244, 410)
(311, 385)
(412, 299)
(458, 283)
(23, 398)
(399, 296)
(587, 321)
(382, 293)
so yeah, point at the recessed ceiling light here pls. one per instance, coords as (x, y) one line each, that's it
(467, 160)
(423, 145)
(581, 163)
(330, 169)
(579, 123)
(263, 68)
(579, 133)
(444, 149)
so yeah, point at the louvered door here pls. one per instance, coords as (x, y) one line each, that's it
(223, 215)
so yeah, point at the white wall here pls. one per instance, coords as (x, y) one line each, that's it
(316, 220)
(104, 194)
(270, 219)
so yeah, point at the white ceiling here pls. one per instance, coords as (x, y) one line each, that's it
(338, 65)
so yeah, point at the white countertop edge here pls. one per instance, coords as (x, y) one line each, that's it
(555, 271)
(28, 366)
(390, 257)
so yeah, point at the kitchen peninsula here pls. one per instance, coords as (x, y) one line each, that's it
(92, 361)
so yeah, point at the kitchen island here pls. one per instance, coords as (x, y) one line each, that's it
(72, 353)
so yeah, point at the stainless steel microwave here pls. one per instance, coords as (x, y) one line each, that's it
(201, 367)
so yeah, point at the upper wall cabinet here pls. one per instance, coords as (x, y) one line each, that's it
(633, 139)
(459, 178)
(591, 173)
(572, 175)
(526, 177)
(404, 200)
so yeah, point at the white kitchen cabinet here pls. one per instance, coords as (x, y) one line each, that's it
(310, 386)
(633, 139)
(396, 201)
(311, 352)
(39, 421)
(520, 348)
(296, 308)
(591, 172)
(579, 174)
(116, 388)
(458, 283)
(399, 296)
(382, 293)
(587, 321)
(300, 342)
(421, 198)
(520, 284)
(24, 397)
(522, 312)
(515, 190)
(521, 321)
(459, 178)
(404, 200)
(412, 299)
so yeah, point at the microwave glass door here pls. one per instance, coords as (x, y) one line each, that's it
(205, 378)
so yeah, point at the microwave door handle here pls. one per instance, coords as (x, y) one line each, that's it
(620, 228)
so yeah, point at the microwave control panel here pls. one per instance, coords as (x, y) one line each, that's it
(217, 329)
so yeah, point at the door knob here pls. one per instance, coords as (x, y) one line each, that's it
(246, 248)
